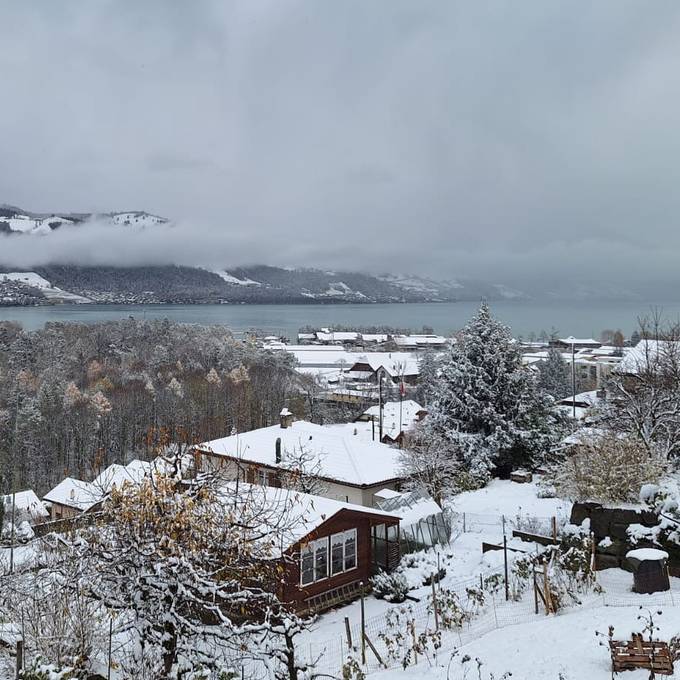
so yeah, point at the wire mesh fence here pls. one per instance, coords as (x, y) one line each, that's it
(615, 589)
(468, 522)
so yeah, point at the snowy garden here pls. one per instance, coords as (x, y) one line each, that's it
(520, 536)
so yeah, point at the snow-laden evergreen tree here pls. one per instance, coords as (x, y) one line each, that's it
(486, 408)
(553, 375)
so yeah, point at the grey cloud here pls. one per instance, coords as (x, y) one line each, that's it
(514, 141)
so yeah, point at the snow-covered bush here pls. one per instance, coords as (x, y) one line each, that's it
(421, 567)
(391, 587)
(609, 469)
(39, 670)
(402, 641)
(451, 612)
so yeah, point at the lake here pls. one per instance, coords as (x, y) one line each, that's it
(579, 318)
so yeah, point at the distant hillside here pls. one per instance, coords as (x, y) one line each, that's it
(257, 284)
(184, 284)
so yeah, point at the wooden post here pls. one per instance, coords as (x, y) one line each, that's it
(554, 528)
(546, 590)
(434, 605)
(481, 583)
(348, 630)
(463, 522)
(535, 592)
(375, 651)
(108, 674)
(505, 567)
(363, 627)
(593, 559)
(439, 572)
(415, 644)
(20, 657)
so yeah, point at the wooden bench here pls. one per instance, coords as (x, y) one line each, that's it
(639, 653)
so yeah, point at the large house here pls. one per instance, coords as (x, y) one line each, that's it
(329, 549)
(348, 467)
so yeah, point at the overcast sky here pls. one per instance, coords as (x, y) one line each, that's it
(508, 141)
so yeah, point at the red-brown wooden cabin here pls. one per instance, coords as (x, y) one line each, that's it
(333, 548)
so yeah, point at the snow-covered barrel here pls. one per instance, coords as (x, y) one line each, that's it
(649, 570)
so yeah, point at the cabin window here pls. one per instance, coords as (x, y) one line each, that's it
(343, 551)
(314, 562)
(262, 477)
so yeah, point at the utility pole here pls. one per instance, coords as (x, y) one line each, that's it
(380, 403)
(573, 381)
(14, 513)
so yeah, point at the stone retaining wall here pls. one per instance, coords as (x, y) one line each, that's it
(613, 523)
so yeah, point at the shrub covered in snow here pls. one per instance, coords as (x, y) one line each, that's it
(608, 468)
(39, 670)
(391, 587)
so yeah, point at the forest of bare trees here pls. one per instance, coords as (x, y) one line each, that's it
(75, 398)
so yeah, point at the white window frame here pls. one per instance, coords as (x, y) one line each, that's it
(262, 477)
(350, 533)
(314, 547)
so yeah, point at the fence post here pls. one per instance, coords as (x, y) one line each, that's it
(108, 673)
(434, 604)
(546, 590)
(554, 529)
(463, 522)
(535, 592)
(593, 559)
(505, 567)
(363, 627)
(20, 657)
(348, 630)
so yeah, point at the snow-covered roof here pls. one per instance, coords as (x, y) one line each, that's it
(584, 436)
(82, 496)
(300, 513)
(395, 364)
(116, 475)
(337, 336)
(586, 399)
(420, 340)
(74, 493)
(571, 340)
(646, 352)
(408, 409)
(26, 501)
(341, 456)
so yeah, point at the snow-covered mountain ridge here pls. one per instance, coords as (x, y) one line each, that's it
(194, 284)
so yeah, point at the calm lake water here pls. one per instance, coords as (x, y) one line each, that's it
(581, 318)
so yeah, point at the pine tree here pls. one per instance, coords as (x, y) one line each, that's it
(553, 375)
(487, 408)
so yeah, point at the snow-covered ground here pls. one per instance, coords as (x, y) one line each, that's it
(545, 648)
(508, 637)
(48, 290)
(502, 497)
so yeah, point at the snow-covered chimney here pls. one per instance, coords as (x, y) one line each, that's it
(286, 418)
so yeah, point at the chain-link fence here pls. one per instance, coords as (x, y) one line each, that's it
(468, 522)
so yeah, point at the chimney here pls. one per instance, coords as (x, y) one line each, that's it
(286, 418)
(277, 446)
